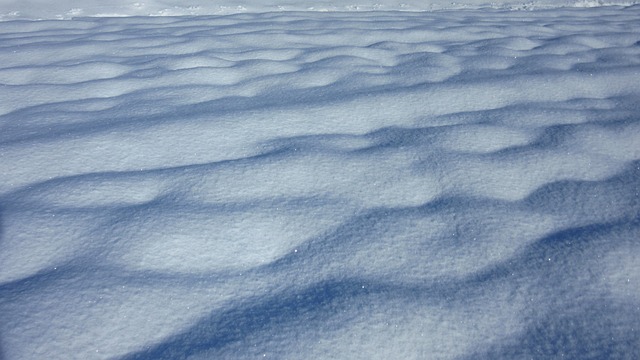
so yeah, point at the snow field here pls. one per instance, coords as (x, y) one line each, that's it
(375, 185)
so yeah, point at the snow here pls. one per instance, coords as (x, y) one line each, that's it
(271, 180)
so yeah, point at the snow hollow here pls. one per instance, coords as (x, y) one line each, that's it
(451, 184)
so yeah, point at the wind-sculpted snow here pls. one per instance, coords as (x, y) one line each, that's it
(321, 186)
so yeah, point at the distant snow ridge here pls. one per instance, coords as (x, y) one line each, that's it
(65, 9)
(366, 185)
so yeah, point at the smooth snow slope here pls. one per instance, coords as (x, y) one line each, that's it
(65, 9)
(298, 185)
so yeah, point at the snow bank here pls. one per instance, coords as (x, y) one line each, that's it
(388, 185)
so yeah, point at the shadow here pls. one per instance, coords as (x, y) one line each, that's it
(1, 225)
(591, 330)
(311, 307)
(2, 355)
(615, 196)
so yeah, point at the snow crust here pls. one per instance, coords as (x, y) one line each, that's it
(343, 185)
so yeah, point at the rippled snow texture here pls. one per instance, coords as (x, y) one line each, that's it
(321, 186)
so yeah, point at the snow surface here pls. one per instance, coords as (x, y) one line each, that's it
(321, 185)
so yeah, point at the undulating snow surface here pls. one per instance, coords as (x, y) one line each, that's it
(307, 185)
